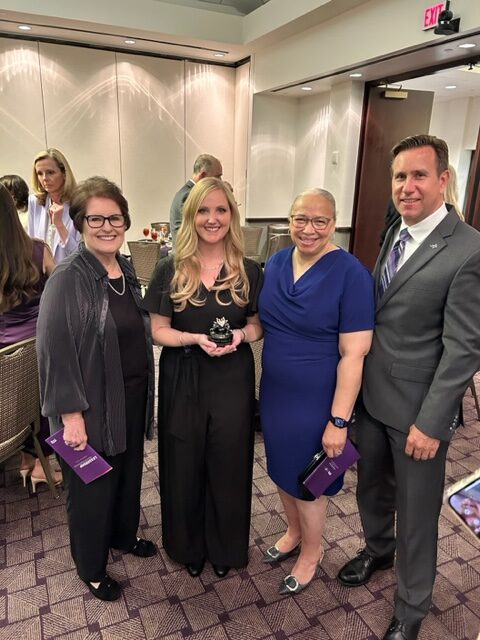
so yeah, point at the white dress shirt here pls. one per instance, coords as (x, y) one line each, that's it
(418, 233)
(38, 227)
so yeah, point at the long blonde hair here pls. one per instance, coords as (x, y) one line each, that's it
(186, 282)
(65, 168)
(451, 192)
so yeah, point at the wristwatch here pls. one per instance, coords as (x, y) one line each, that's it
(341, 423)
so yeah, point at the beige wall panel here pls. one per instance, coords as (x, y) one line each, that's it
(210, 113)
(313, 117)
(80, 95)
(272, 157)
(22, 130)
(152, 134)
(243, 109)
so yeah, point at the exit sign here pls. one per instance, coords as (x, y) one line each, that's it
(431, 14)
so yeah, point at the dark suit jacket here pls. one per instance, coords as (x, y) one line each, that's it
(426, 344)
(176, 208)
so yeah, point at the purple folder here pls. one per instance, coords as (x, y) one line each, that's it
(322, 470)
(88, 464)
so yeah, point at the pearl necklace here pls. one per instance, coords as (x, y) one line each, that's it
(119, 293)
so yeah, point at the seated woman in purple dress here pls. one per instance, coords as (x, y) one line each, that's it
(26, 265)
(317, 311)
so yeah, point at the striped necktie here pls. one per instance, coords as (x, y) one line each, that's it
(393, 259)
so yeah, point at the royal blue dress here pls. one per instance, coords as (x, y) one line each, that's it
(302, 321)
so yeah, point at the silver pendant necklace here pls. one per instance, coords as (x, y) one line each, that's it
(119, 293)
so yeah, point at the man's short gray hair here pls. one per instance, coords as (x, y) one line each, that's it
(316, 191)
(204, 162)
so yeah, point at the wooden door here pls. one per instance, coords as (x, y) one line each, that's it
(472, 196)
(386, 122)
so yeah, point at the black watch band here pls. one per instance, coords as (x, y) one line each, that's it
(341, 423)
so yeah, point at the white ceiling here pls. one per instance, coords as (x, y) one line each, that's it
(464, 83)
(236, 7)
(389, 70)
(444, 52)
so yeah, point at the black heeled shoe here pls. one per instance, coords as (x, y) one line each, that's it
(220, 570)
(195, 568)
(273, 554)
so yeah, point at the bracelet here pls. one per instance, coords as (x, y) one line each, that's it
(244, 335)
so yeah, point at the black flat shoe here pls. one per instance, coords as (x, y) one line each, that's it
(220, 570)
(360, 569)
(107, 590)
(143, 548)
(195, 568)
(401, 631)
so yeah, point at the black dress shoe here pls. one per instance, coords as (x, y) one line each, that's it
(195, 568)
(143, 548)
(107, 590)
(401, 631)
(220, 570)
(359, 570)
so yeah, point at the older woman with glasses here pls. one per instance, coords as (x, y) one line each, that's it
(317, 311)
(96, 378)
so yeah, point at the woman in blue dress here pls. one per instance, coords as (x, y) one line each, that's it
(317, 310)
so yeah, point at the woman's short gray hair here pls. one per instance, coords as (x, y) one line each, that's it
(316, 191)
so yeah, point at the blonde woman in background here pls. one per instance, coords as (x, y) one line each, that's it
(206, 392)
(48, 208)
(451, 192)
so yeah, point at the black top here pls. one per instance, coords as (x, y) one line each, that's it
(131, 338)
(200, 319)
(80, 365)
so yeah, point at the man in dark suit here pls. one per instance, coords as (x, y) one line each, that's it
(426, 348)
(205, 166)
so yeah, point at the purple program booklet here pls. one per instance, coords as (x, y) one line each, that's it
(322, 470)
(88, 464)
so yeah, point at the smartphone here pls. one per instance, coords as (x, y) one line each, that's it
(464, 499)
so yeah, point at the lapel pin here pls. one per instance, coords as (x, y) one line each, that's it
(433, 246)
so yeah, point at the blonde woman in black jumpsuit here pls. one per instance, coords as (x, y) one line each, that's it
(206, 392)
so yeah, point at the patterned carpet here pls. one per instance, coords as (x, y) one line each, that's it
(41, 597)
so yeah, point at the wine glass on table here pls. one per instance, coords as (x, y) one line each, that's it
(146, 232)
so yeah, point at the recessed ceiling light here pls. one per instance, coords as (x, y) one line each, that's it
(307, 89)
(24, 27)
(467, 45)
(129, 41)
(451, 86)
(219, 55)
(356, 75)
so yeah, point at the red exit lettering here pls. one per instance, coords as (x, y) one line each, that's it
(431, 14)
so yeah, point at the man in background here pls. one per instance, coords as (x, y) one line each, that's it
(205, 166)
(425, 350)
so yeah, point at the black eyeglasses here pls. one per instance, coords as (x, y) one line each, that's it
(96, 221)
(319, 224)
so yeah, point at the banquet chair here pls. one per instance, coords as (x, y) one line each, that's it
(252, 236)
(20, 403)
(277, 240)
(145, 256)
